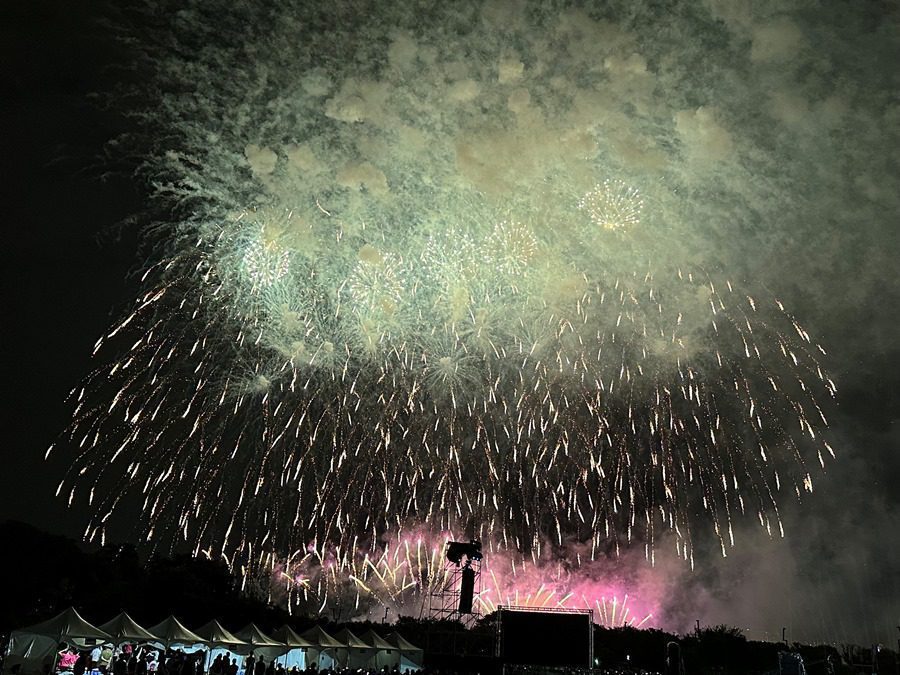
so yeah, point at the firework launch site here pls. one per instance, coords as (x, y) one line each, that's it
(49, 574)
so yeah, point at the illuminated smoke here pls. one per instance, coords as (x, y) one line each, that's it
(428, 289)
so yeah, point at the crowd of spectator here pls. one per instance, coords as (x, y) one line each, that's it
(106, 659)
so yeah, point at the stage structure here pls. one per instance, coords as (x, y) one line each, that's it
(544, 640)
(456, 597)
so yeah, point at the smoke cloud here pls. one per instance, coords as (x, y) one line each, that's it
(759, 141)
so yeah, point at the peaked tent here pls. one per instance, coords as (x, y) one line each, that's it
(220, 641)
(125, 629)
(66, 624)
(323, 647)
(318, 638)
(172, 631)
(35, 646)
(354, 652)
(411, 657)
(286, 636)
(348, 639)
(260, 644)
(214, 634)
(31, 653)
(402, 644)
(386, 654)
(377, 641)
(297, 646)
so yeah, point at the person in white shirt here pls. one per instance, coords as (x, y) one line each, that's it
(95, 657)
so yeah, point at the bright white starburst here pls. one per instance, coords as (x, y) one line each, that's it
(511, 247)
(376, 283)
(613, 205)
(265, 262)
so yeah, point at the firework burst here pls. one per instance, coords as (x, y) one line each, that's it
(613, 205)
(412, 326)
(406, 570)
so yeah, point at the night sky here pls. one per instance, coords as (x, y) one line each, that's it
(73, 215)
(70, 257)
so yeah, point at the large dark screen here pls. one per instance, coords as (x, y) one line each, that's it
(545, 638)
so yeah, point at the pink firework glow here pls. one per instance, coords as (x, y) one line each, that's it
(411, 568)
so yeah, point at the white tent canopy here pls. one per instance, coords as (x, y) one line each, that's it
(219, 640)
(214, 634)
(298, 646)
(36, 645)
(171, 631)
(385, 654)
(354, 652)
(286, 636)
(67, 624)
(411, 657)
(323, 648)
(253, 636)
(318, 638)
(260, 644)
(125, 629)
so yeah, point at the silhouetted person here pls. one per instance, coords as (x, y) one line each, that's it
(81, 664)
